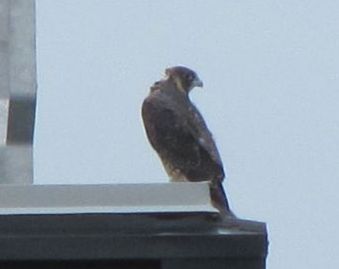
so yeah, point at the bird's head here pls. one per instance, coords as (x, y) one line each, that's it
(184, 78)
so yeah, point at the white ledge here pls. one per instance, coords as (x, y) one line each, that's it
(105, 198)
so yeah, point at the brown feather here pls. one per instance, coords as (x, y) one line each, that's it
(179, 134)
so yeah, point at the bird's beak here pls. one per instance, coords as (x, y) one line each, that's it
(197, 83)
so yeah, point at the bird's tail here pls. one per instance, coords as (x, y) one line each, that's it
(219, 199)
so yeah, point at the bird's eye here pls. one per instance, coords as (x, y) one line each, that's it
(189, 77)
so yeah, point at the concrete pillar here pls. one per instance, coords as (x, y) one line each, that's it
(17, 90)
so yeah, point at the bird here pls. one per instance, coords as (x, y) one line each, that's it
(179, 134)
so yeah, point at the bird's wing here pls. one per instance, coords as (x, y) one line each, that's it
(201, 132)
(167, 132)
(175, 136)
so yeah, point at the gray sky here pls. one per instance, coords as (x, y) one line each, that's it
(271, 75)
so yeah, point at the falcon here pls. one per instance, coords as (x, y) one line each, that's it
(178, 133)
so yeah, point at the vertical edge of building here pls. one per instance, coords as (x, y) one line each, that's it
(17, 90)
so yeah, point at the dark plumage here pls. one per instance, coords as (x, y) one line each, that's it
(178, 133)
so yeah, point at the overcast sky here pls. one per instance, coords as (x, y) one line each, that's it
(271, 98)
